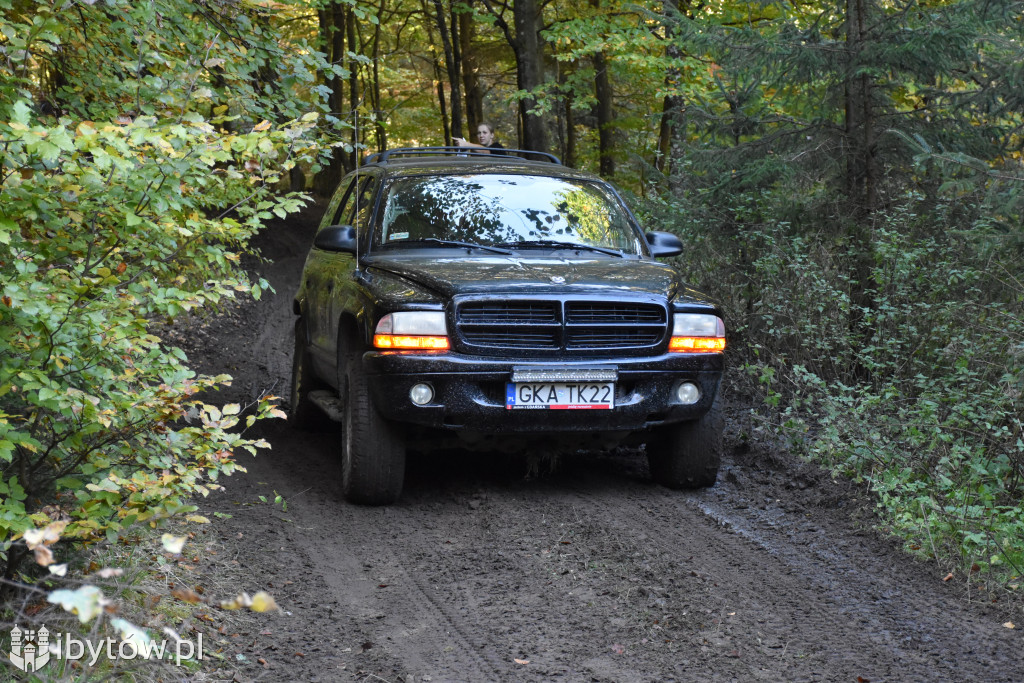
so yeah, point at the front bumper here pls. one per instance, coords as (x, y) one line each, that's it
(469, 392)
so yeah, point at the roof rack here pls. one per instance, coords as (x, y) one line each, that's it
(405, 152)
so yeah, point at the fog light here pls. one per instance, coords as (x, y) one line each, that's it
(421, 394)
(687, 393)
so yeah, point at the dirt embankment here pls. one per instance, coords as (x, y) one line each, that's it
(589, 573)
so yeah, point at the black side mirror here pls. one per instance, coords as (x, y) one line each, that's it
(664, 244)
(336, 238)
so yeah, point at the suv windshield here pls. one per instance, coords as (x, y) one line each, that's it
(497, 209)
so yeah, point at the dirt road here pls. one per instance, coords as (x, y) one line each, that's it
(589, 573)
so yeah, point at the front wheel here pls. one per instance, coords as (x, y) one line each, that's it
(687, 455)
(373, 453)
(304, 414)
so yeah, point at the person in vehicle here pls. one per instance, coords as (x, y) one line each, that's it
(485, 135)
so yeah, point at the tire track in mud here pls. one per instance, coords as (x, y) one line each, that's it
(474, 658)
(368, 563)
(879, 639)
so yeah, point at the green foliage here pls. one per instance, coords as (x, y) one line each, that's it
(919, 394)
(136, 162)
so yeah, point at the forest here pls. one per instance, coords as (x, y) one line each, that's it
(846, 175)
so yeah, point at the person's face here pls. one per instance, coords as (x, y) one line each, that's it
(484, 135)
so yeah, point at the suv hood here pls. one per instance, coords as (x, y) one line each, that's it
(530, 275)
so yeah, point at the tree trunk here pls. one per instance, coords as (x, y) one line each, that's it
(570, 134)
(859, 113)
(378, 113)
(603, 95)
(470, 68)
(332, 35)
(353, 87)
(451, 62)
(529, 72)
(860, 176)
(673, 109)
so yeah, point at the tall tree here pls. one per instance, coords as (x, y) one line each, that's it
(452, 63)
(603, 95)
(526, 44)
(470, 69)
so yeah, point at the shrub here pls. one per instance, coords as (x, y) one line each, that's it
(917, 391)
(106, 228)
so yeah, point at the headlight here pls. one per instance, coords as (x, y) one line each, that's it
(697, 333)
(425, 330)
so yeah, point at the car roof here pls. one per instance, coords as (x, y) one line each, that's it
(463, 160)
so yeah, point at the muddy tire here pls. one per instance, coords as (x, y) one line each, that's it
(687, 455)
(304, 414)
(373, 452)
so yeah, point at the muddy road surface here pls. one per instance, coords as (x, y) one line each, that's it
(499, 569)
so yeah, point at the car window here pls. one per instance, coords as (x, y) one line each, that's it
(492, 209)
(361, 209)
(338, 204)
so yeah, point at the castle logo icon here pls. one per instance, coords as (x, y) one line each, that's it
(30, 649)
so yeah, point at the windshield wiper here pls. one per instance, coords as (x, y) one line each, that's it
(457, 243)
(563, 245)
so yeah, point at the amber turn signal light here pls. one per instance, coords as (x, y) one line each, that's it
(697, 344)
(398, 341)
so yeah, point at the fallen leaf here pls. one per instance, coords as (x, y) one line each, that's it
(58, 569)
(521, 661)
(1009, 624)
(87, 602)
(173, 544)
(44, 557)
(187, 595)
(238, 602)
(263, 602)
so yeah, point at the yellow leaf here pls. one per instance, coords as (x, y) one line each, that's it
(44, 557)
(173, 544)
(231, 409)
(1009, 624)
(262, 125)
(240, 601)
(198, 519)
(263, 602)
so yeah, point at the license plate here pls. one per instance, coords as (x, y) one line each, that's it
(560, 395)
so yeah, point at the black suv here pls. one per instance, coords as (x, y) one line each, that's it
(493, 301)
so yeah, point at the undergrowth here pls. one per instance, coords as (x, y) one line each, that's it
(907, 375)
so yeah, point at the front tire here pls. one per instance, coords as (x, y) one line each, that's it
(687, 455)
(373, 453)
(304, 414)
